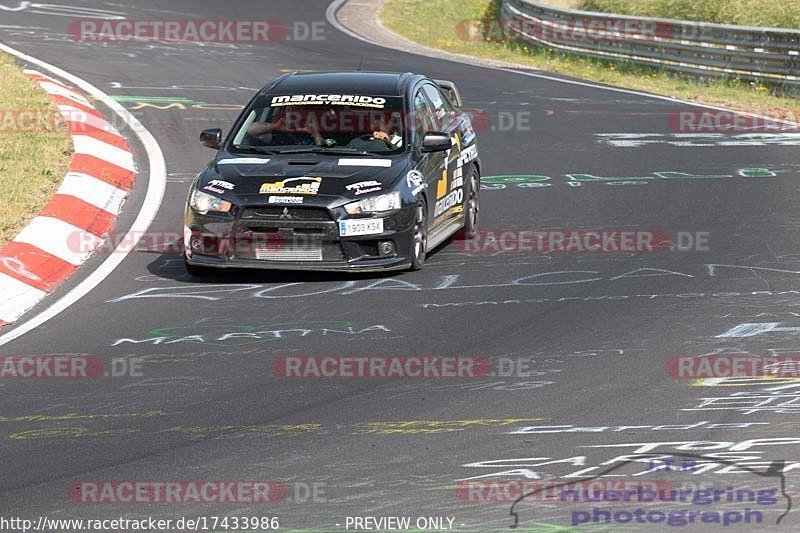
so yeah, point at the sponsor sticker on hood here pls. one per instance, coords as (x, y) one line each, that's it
(364, 187)
(301, 185)
(243, 161)
(219, 186)
(286, 200)
(222, 184)
(385, 163)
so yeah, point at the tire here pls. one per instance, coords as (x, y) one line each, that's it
(472, 207)
(198, 271)
(419, 237)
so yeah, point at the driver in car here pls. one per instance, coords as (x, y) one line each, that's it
(276, 133)
(322, 130)
(383, 131)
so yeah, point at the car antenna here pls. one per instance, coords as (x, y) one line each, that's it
(360, 63)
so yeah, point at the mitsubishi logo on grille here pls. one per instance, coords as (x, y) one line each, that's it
(285, 215)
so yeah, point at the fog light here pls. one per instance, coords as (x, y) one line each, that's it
(386, 248)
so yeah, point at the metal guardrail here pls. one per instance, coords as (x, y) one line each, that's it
(771, 56)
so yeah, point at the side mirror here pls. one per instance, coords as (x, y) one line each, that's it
(450, 91)
(211, 138)
(436, 142)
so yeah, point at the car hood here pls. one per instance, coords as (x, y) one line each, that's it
(320, 179)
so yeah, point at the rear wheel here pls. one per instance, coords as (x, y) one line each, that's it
(419, 242)
(472, 216)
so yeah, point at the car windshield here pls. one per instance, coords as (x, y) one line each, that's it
(325, 123)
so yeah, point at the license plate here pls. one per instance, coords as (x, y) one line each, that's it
(351, 228)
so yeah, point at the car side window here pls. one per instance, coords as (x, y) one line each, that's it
(443, 111)
(424, 117)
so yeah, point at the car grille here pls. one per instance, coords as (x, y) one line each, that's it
(287, 233)
(288, 252)
(301, 214)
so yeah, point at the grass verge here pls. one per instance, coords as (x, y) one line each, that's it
(768, 13)
(434, 23)
(35, 149)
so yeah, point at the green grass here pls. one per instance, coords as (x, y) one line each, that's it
(33, 161)
(434, 23)
(769, 13)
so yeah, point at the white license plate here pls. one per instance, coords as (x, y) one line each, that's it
(369, 226)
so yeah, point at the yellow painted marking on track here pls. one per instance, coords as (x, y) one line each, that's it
(142, 105)
(78, 416)
(70, 433)
(432, 427)
(243, 431)
(226, 432)
(199, 432)
(159, 358)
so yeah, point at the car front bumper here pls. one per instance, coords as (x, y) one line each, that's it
(297, 238)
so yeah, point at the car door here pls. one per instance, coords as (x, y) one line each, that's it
(432, 164)
(448, 193)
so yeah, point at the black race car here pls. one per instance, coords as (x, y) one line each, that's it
(336, 171)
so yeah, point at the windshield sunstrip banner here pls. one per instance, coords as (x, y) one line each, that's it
(329, 99)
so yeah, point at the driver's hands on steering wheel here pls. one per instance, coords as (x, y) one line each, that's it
(381, 136)
(313, 130)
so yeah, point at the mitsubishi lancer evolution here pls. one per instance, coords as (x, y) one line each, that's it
(336, 171)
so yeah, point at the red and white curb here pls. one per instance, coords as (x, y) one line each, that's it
(83, 210)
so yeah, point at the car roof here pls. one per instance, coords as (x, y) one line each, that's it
(369, 83)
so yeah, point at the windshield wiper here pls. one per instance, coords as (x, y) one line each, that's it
(259, 149)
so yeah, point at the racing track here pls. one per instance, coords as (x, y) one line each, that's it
(216, 410)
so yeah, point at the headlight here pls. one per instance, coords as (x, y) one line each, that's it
(203, 203)
(375, 204)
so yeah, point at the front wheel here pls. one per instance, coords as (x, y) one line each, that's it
(473, 205)
(419, 242)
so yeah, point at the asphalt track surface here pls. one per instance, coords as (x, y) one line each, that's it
(598, 327)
